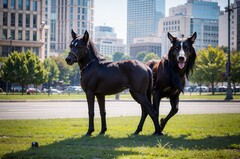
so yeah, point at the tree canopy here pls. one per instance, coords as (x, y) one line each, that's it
(23, 68)
(210, 64)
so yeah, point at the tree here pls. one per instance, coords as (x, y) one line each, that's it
(150, 56)
(52, 70)
(64, 69)
(23, 69)
(118, 56)
(235, 69)
(210, 64)
(140, 56)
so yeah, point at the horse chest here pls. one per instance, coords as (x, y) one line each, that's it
(170, 91)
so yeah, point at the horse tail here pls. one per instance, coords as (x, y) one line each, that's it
(150, 84)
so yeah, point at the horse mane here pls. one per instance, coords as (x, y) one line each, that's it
(94, 50)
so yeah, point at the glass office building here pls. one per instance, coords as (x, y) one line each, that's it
(204, 16)
(143, 17)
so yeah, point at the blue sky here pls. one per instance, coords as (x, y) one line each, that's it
(114, 13)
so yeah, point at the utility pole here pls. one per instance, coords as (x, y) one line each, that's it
(229, 89)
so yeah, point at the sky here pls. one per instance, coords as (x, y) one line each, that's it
(113, 13)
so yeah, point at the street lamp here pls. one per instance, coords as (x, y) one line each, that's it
(49, 82)
(229, 89)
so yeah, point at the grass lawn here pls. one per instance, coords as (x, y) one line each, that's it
(123, 96)
(186, 136)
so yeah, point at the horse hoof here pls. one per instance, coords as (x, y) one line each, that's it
(157, 134)
(88, 134)
(137, 132)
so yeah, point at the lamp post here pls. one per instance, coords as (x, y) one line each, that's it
(49, 82)
(229, 89)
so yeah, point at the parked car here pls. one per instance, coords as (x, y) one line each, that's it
(203, 89)
(55, 91)
(32, 91)
(221, 89)
(73, 89)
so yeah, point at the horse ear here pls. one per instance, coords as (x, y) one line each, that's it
(74, 35)
(193, 37)
(171, 38)
(86, 36)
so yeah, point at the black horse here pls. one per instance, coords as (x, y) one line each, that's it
(100, 78)
(169, 74)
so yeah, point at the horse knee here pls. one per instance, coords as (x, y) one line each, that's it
(175, 110)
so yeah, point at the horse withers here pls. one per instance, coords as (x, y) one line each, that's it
(100, 78)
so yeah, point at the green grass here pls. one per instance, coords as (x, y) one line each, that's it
(127, 96)
(186, 136)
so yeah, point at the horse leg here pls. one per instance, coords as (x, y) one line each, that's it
(174, 101)
(101, 103)
(146, 105)
(156, 101)
(90, 101)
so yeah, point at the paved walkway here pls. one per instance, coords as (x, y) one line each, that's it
(45, 110)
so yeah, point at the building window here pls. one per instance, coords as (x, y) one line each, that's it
(27, 37)
(5, 18)
(5, 50)
(19, 34)
(20, 4)
(26, 49)
(34, 36)
(20, 20)
(12, 19)
(27, 4)
(35, 50)
(13, 4)
(4, 35)
(27, 20)
(13, 34)
(34, 21)
(34, 5)
(5, 3)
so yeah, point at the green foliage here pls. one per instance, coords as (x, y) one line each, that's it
(186, 136)
(63, 68)
(210, 64)
(235, 68)
(140, 56)
(52, 69)
(23, 69)
(150, 56)
(118, 56)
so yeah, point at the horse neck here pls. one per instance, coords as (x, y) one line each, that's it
(90, 56)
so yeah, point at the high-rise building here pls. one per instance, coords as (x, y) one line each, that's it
(63, 16)
(143, 17)
(22, 26)
(199, 16)
(146, 44)
(234, 27)
(106, 41)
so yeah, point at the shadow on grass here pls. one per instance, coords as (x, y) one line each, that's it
(104, 146)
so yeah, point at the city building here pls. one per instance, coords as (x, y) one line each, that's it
(177, 25)
(143, 17)
(74, 14)
(22, 27)
(199, 16)
(234, 27)
(63, 16)
(106, 41)
(146, 44)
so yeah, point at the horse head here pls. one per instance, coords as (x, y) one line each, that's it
(182, 54)
(78, 48)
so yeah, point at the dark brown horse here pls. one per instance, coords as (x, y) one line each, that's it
(169, 74)
(100, 78)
